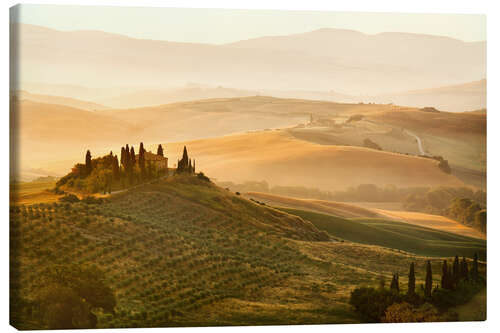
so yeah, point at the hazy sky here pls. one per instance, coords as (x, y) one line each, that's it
(218, 26)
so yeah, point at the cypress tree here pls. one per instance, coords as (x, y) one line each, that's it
(88, 163)
(475, 269)
(127, 158)
(428, 280)
(411, 280)
(190, 166)
(194, 166)
(183, 164)
(456, 271)
(116, 168)
(160, 150)
(132, 158)
(395, 283)
(445, 284)
(465, 269)
(122, 157)
(142, 158)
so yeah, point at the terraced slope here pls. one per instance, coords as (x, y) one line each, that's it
(185, 252)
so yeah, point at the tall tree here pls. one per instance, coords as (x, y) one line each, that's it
(116, 168)
(122, 157)
(132, 158)
(456, 270)
(465, 269)
(475, 269)
(428, 280)
(194, 166)
(395, 283)
(142, 158)
(445, 279)
(160, 150)
(411, 280)
(127, 158)
(88, 163)
(183, 164)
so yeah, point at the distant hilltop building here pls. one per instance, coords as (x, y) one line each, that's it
(159, 161)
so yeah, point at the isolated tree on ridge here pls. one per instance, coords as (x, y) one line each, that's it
(88, 163)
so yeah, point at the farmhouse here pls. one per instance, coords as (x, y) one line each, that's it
(159, 161)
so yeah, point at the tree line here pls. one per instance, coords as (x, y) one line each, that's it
(429, 303)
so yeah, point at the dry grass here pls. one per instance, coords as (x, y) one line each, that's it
(32, 192)
(281, 159)
(432, 221)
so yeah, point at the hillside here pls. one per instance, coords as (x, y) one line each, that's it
(63, 130)
(59, 100)
(354, 210)
(363, 64)
(455, 98)
(184, 252)
(281, 159)
(396, 235)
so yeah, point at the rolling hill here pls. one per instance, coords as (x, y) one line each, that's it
(279, 158)
(66, 101)
(396, 235)
(356, 211)
(183, 252)
(455, 98)
(66, 132)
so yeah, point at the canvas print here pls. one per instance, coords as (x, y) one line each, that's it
(212, 167)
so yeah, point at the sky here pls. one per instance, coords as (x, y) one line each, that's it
(220, 26)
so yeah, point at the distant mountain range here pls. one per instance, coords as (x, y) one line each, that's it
(343, 61)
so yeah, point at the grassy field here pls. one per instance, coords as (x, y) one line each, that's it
(474, 310)
(32, 192)
(396, 235)
(184, 252)
(392, 211)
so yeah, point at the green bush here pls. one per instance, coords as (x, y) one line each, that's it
(69, 198)
(372, 303)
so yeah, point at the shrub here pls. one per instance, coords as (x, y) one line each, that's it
(371, 303)
(70, 198)
(406, 313)
(202, 176)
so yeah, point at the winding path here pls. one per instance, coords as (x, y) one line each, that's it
(419, 142)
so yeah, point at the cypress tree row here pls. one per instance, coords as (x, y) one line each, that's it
(184, 165)
(428, 280)
(411, 280)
